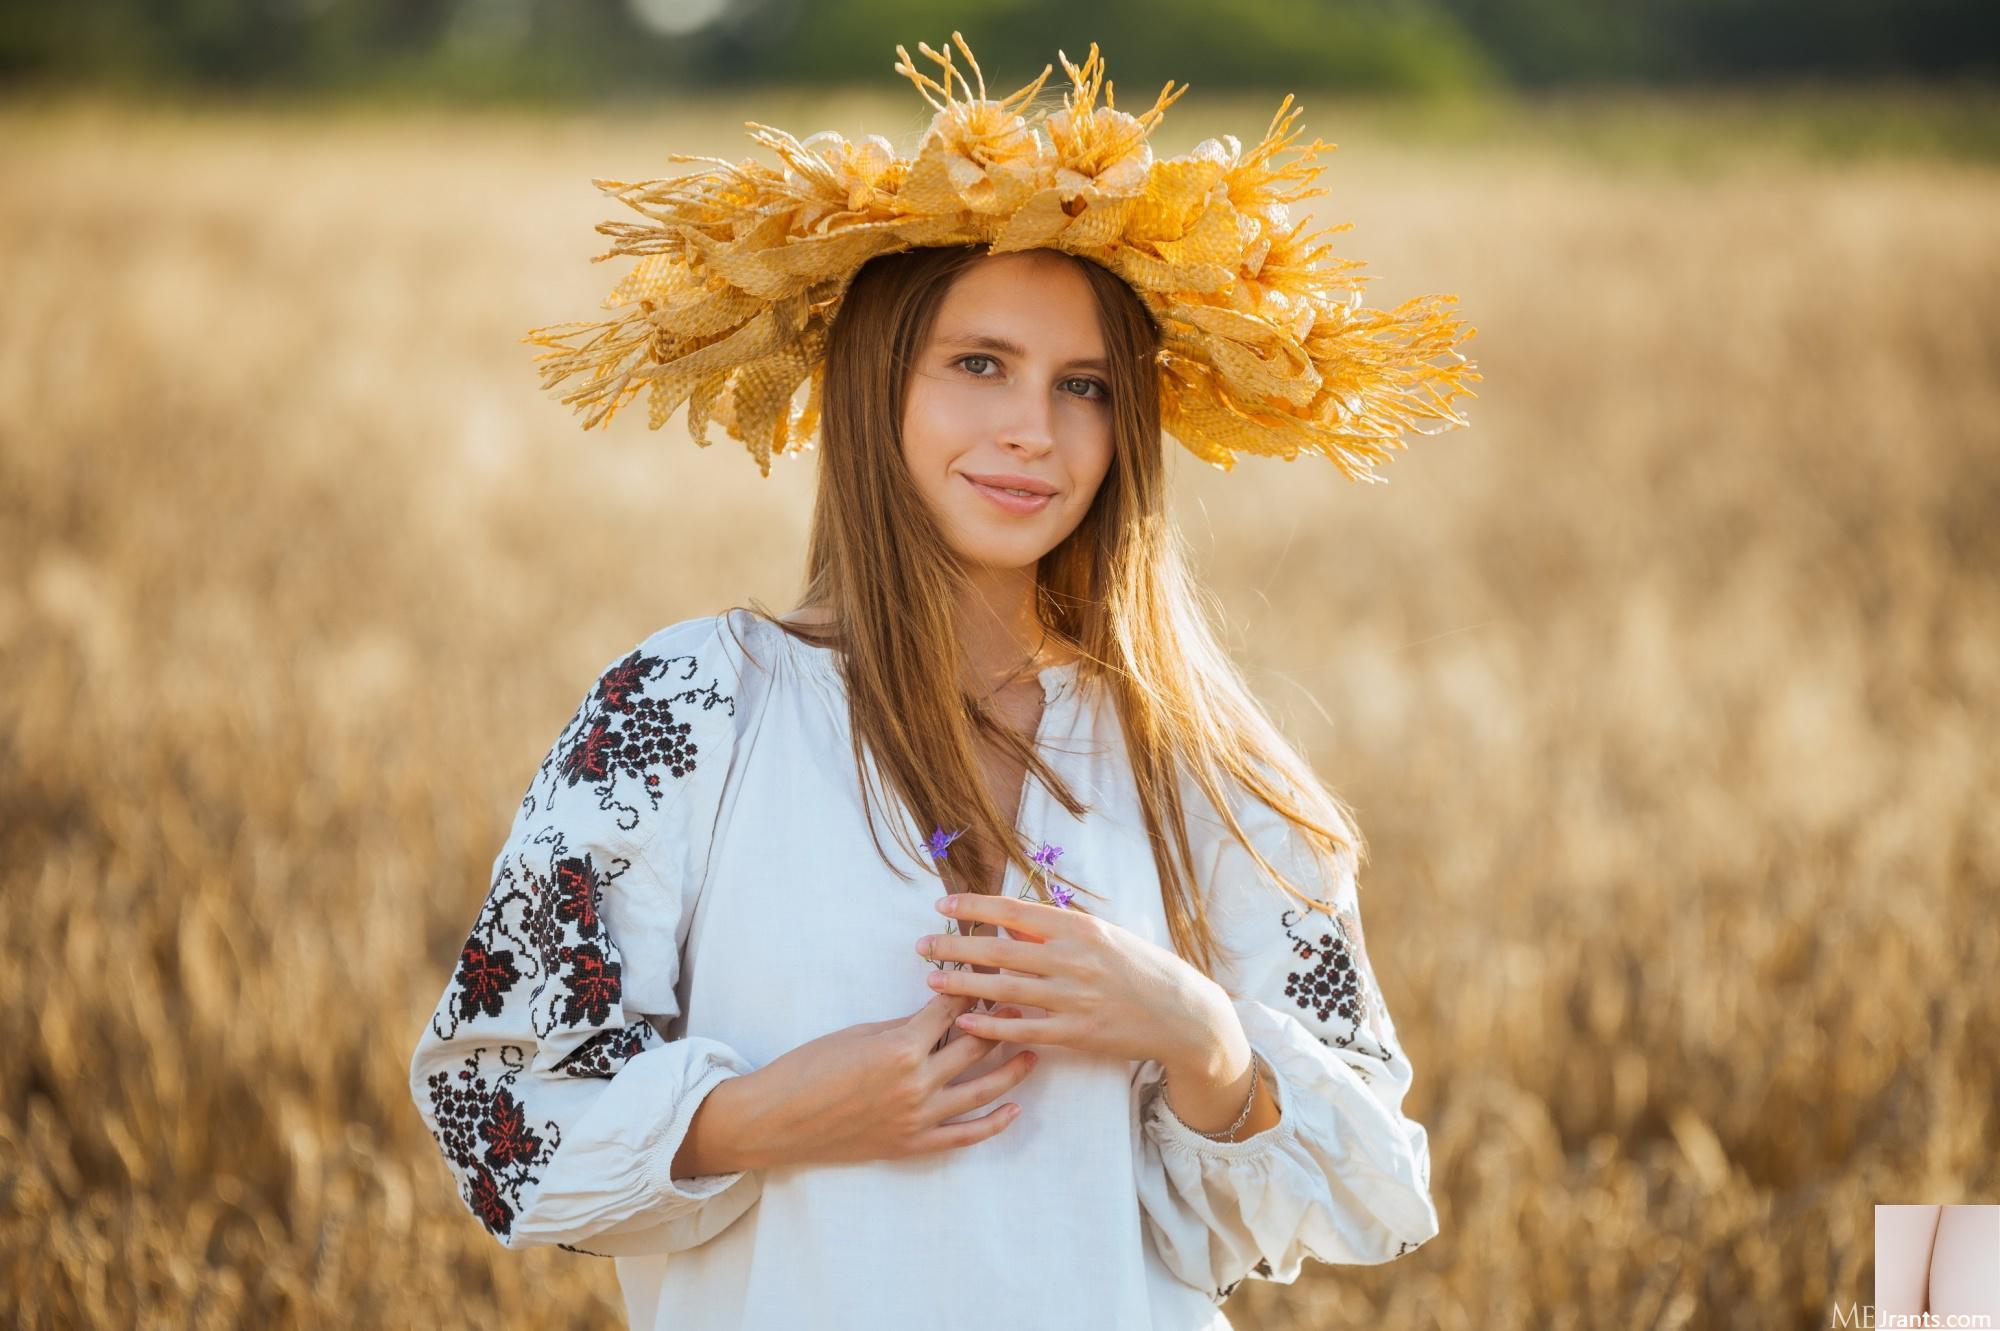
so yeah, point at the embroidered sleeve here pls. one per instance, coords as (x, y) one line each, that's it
(1344, 1176)
(547, 1073)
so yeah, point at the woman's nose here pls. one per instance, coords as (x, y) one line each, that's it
(1030, 424)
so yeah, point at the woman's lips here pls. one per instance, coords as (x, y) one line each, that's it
(1013, 503)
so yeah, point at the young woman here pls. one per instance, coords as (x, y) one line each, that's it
(964, 946)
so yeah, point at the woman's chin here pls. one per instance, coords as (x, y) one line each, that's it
(1001, 556)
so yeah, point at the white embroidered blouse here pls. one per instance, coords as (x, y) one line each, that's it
(690, 890)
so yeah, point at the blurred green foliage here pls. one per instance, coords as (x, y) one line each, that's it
(571, 50)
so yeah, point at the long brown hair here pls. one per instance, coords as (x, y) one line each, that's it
(1117, 591)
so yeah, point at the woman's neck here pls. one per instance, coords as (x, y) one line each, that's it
(998, 623)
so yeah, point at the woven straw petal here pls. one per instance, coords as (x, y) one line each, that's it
(809, 257)
(744, 265)
(1228, 323)
(1100, 225)
(953, 229)
(1177, 419)
(701, 406)
(1272, 436)
(928, 188)
(1005, 189)
(1215, 238)
(674, 381)
(1039, 222)
(1127, 176)
(1284, 376)
(1154, 274)
(700, 313)
(656, 277)
(1176, 193)
(762, 393)
(806, 423)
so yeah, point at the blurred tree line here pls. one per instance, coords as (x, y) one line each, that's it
(581, 49)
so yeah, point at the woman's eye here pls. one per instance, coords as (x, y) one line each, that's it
(1103, 393)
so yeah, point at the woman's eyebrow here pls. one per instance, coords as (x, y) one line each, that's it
(988, 342)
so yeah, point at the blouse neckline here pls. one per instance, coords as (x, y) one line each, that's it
(1056, 680)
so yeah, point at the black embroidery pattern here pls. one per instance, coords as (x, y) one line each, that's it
(603, 1054)
(484, 1131)
(1340, 982)
(590, 987)
(485, 974)
(626, 741)
(546, 927)
(540, 960)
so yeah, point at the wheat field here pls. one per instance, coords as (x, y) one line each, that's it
(1666, 696)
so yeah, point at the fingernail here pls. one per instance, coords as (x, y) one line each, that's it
(947, 904)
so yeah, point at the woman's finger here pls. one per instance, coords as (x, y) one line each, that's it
(968, 1095)
(1014, 914)
(951, 1136)
(932, 1021)
(1001, 1029)
(1003, 987)
(961, 1049)
(990, 950)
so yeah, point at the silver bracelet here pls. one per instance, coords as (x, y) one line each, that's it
(1228, 1133)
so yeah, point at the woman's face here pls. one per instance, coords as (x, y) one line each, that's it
(1012, 388)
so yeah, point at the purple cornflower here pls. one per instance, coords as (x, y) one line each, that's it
(941, 841)
(1045, 859)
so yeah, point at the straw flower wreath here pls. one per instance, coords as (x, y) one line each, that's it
(1266, 348)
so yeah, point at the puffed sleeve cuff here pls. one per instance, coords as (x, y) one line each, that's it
(611, 1189)
(1341, 1178)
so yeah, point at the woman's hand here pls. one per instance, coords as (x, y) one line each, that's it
(1102, 989)
(879, 1090)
